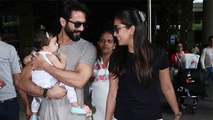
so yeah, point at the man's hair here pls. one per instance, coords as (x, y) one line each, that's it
(73, 5)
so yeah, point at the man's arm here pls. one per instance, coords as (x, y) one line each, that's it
(76, 79)
(16, 80)
(202, 58)
(28, 86)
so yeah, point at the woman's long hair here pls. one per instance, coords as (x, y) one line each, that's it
(143, 53)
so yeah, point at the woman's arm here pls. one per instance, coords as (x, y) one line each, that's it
(168, 91)
(111, 99)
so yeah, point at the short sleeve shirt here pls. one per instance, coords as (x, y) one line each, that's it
(77, 52)
(134, 101)
(9, 65)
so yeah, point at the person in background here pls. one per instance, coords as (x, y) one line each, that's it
(100, 78)
(9, 82)
(175, 58)
(135, 70)
(195, 49)
(81, 56)
(207, 61)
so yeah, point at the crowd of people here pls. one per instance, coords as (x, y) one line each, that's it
(125, 71)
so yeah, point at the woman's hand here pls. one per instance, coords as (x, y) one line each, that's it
(177, 118)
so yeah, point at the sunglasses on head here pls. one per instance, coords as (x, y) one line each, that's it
(78, 24)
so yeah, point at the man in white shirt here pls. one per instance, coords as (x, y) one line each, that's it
(207, 61)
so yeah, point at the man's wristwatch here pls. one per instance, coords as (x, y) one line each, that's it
(45, 94)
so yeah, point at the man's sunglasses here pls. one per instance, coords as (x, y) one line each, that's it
(78, 24)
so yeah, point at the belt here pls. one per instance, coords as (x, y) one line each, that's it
(8, 100)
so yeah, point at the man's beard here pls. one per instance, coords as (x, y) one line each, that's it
(71, 35)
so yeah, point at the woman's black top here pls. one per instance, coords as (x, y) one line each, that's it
(134, 101)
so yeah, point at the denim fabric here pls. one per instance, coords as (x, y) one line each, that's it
(208, 75)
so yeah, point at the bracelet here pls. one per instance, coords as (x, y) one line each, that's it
(178, 114)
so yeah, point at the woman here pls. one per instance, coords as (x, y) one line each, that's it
(135, 71)
(175, 58)
(100, 84)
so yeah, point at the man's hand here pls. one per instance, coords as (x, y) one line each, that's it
(56, 92)
(28, 113)
(27, 59)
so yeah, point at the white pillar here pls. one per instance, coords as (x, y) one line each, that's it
(150, 20)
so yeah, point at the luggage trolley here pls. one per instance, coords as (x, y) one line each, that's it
(188, 85)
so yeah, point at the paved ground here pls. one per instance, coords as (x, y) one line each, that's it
(204, 111)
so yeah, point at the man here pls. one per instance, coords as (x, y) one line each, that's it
(207, 61)
(81, 56)
(9, 82)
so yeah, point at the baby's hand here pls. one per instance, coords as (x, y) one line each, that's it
(62, 56)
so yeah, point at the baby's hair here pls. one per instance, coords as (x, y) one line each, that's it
(42, 38)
